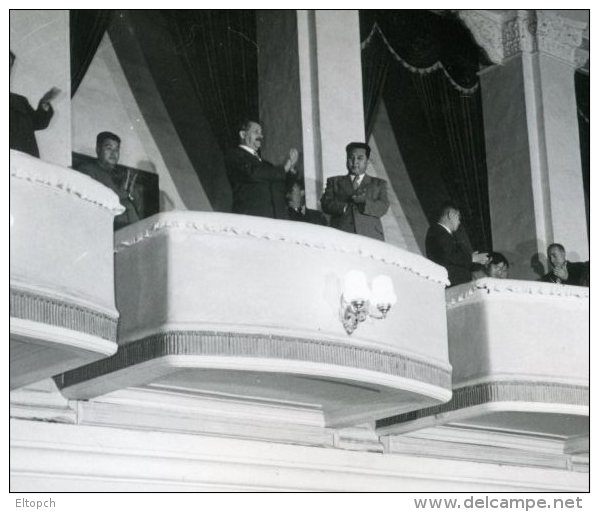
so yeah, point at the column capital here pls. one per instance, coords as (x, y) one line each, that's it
(561, 37)
(505, 33)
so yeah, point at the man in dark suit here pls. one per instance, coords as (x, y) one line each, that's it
(447, 249)
(104, 170)
(356, 201)
(564, 271)
(296, 201)
(258, 186)
(24, 121)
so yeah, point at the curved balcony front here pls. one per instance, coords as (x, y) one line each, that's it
(247, 308)
(62, 302)
(520, 357)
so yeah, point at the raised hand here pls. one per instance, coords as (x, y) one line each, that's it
(50, 95)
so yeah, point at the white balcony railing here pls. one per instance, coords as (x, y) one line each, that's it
(62, 310)
(520, 357)
(248, 308)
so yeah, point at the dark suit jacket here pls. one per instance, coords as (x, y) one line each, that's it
(578, 274)
(311, 216)
(258, 186)
(447, 250)
(363, 219)
(24, 121)
(115, 181)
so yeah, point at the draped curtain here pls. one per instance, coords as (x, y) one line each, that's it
(582, 87)
(86, 29)
(219, 52)
(438, 57)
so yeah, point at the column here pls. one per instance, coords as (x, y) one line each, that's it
(533, 158)
(40, 40)
(310, 80)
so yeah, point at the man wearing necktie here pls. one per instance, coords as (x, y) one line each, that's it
(450, 251)
(356, 201)
(258, 186)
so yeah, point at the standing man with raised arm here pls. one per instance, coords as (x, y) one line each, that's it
(24, 121)
(356, 201)
(258, 186)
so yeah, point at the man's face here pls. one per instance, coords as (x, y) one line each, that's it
(497, 270)
(108, 152)
(455, 218)
(252, 137)
(556, 256)
(357, 161)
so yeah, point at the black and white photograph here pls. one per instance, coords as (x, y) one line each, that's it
(300, 251)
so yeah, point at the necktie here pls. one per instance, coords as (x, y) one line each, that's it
(356, 182)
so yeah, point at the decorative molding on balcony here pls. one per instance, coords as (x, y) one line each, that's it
(501, 391)
(487, 286)
(207, 343)
(45, 309)
(485, 445)
(505, 33)
(561, 37)
(315, 237)
(34, 170)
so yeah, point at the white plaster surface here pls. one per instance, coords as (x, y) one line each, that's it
(40, 40)
(247, 274)
(64, 244)
(515, 330)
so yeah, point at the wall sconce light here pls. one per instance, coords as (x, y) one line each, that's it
(358, 301)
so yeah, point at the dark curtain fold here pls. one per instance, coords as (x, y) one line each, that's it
(582, 87)
(219, 52)
(86, 29)
(456, 126)
(453, 126)
(375, 65)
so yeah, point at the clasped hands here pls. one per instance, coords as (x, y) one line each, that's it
(291, 160)
(359, 197)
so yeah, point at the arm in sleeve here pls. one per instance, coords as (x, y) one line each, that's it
(253, 170)
(41, 117)
(377, 204)
(330, 201)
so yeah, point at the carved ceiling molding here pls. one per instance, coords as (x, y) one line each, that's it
(561, 37)
(503, 34)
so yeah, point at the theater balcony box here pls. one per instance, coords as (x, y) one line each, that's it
(520, 357)
(248, 309)
(62, 301)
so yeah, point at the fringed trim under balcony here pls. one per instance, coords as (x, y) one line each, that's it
(206, 343)
(506, 391)
(40, 308)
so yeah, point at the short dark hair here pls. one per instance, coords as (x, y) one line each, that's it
(558, 246)
(446, 207)
(358, 145)
(496, 258)
(102, 136)
(245, 124)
